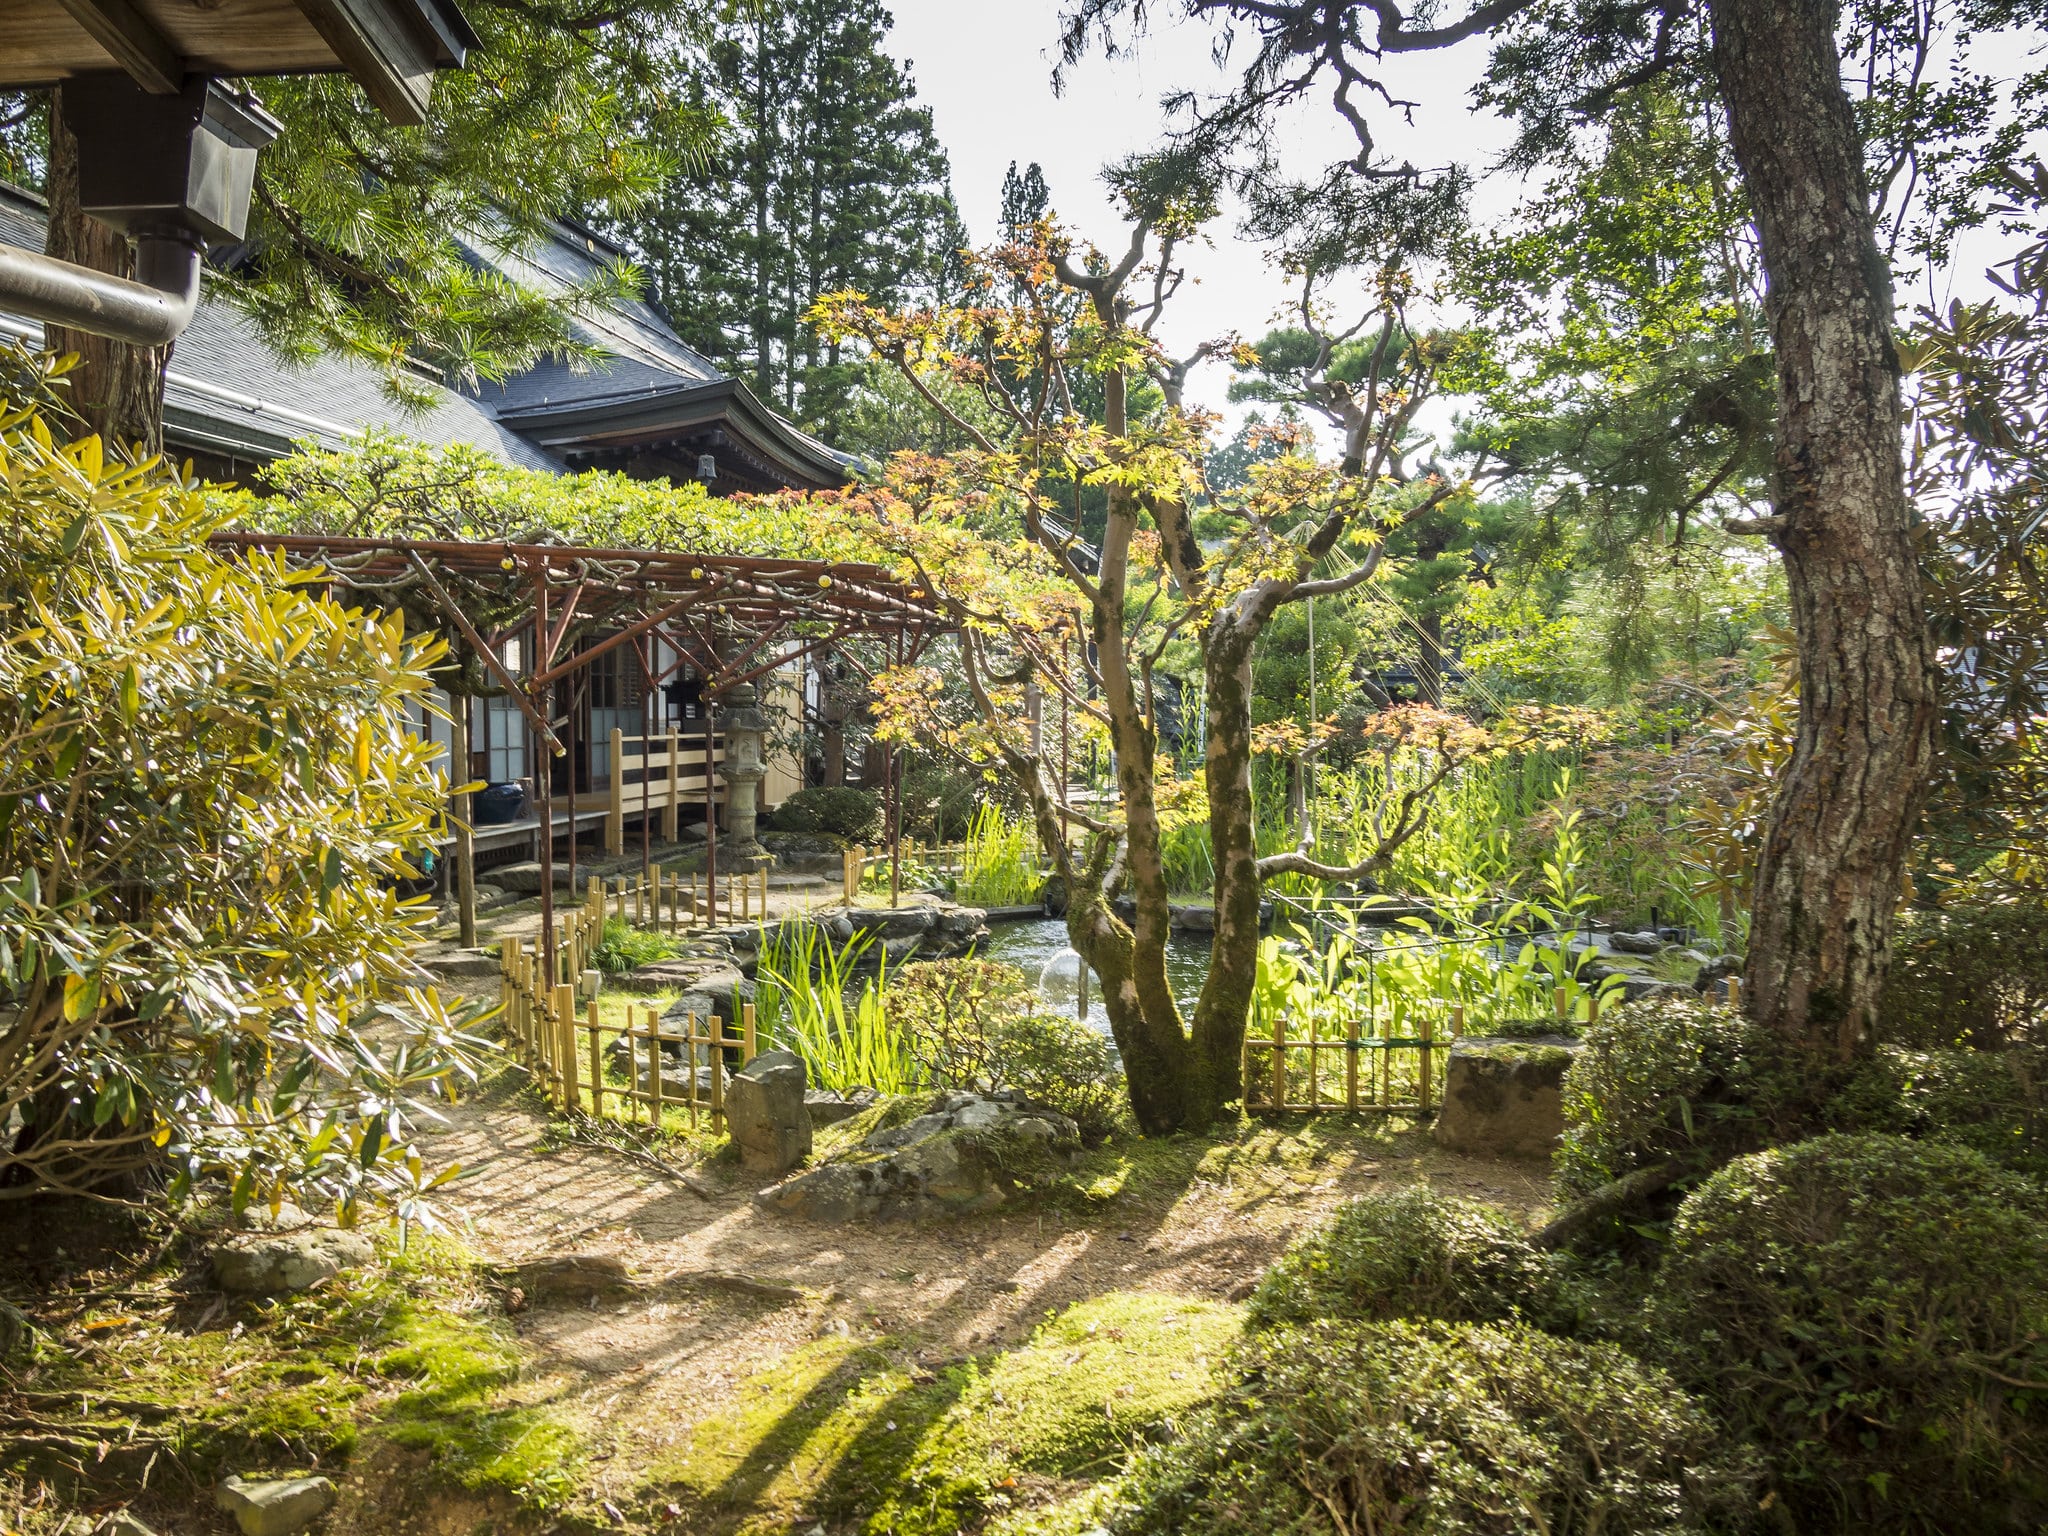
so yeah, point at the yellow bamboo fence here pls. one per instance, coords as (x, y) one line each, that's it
(668, 902)
(1315, 1072)
(562, 1044)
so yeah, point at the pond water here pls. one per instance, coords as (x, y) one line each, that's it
(1038, 947)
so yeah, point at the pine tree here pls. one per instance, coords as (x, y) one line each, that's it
(830, 177)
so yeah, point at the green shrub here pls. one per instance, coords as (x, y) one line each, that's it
(1973, 974)
(840, 809)
(1989, 1101)
(1410, 1253)
(1063, 1064)
(1871, 1310)
(625, 948)
(1677, 1078)
(1437, 1430)
(970, 1025)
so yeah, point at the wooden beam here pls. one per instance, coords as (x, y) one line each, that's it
(136, 46)
(390, 64)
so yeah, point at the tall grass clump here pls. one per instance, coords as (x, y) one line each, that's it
(802, 983)
(625, 948)
(996, 868)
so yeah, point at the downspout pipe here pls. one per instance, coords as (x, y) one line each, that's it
(151, 311)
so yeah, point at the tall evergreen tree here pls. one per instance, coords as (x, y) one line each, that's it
(830, 178)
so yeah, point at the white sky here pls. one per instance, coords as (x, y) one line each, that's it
(985, 68)
(986, 71)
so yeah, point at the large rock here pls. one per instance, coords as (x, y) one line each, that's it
(829, 1108)
(1635, 943)
(888, 923)
(282, 1507)
(1635, 988)
(964, 1155)
(724, 993)
(266, 1264)
(766, 1113)
(573, 1277)
(1503, 1098)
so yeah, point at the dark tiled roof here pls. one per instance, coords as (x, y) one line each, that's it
(229, 393)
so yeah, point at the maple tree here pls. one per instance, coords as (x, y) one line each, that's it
(1057, 341)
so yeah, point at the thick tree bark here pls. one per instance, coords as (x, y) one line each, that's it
(116, 388)
(1226, 999)
(1834, 855)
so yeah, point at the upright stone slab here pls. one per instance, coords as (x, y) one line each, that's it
(1504, 1098)
(765, 1109)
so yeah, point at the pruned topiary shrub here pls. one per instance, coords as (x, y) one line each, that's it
(1437, 1429)
(1411, 1253)
(838, 809)
(1874, 1312)
(1989, 1101)
(1677, 1078)
(1975, 973)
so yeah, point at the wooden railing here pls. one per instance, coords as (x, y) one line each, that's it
(668, 773)
(667, 902)
(564, 1048)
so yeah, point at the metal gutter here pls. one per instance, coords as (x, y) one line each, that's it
(151, 311)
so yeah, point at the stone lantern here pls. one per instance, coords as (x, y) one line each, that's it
(745, 728)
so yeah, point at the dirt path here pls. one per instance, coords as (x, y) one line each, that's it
(1193, 1218)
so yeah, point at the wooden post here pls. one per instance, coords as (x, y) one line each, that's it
(848, 879)
(1735, 993)
(1457, 1020)
(1279, 1060)
(596, 1062)
(672, 807)
(1560, 1001)
(465, 835)
(615, 800)
(1351, 1066)
(690, 1058)
(1428, 1060)
(565, 1044)
(747, 1051)
(654, 1068)
(716, 1032)
(764, 892)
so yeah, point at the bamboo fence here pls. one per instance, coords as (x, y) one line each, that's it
(562, 1045)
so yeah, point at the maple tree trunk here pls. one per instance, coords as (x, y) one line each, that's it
(116, 388)
(1834, 855)
(1226, 1000)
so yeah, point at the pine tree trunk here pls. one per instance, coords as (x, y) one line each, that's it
(1835, 848)
(116, 388)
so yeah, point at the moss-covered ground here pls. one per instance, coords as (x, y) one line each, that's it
(984, 1374)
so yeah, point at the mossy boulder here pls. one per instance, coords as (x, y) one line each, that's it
(965, 1152)
(1504, 1097)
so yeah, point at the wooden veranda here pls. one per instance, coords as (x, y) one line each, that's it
(529, 621)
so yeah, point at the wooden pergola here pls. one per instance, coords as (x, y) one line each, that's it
(729, 619)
